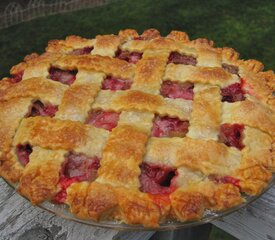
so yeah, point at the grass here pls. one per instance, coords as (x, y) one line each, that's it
(247, 26)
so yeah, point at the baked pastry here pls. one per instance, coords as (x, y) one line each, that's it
(138, 128)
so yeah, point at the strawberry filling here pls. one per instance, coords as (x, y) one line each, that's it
(40, 109)
(232, 135)
(23, 152)
(140, 38)
(64, 183)
(76, 168)
(178, 58)
(177, 90)
(15, 78)
(81, 166)
(111, 83)
(169, 127)
(230, 68)
(131, 57)
(156, 179)
(81, 51)
(63, 76)
(225, 179)
(101, 119)
(233, 93)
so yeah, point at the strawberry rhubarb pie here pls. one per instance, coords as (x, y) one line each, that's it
(138, 128)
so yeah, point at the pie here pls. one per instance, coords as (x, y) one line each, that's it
(138, 128)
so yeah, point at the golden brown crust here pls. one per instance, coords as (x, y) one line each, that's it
(35, 65)
(137, 208)
(205, 75)
(41, 175)
(36, 88)
(76, 195)
(261, 86)
(250, 113)
(202, 43)
(132, 100)
(36, 130)
(257, 148)
(108, 65)
(70, 43)
(128, 34)
(218, 196)
(190, 203)
(190, 153)
(11, 114)
(226, 196)
(98, 201)
(209, 174)
(10, 169)
(208, 57)
(187, 206)
(76, 101)
(21, 66)
(149, 72)
(229, 54)
(251, 65)
(253, 178)
(170, 45)
(92, 201)
(178, 36)
(126, 144)
(106, 45)
(206, 114)
(150, 34)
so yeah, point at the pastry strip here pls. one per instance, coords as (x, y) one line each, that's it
(140, 101)
(110, 66)
(190, 153)
(206, 114)
(206, 75)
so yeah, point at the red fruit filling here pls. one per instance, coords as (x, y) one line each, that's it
(81, 166)
(233, 93)
(64, 183)
(63, 76)
(177, 90)
(23, 152)
(81, 51)
(101, 119)
(76, 168)
(156, 179)
(230, 68)
(40, 109)
(141, 38)
(178, 58)
(131, 57)
(225, 179)
(232, 135)
(111, 83)
(169, 127)
(15, 78)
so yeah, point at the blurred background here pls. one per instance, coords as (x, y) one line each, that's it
(247, 26)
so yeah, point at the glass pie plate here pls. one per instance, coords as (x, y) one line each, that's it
(61, 210)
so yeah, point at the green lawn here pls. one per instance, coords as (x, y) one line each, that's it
(247, 26)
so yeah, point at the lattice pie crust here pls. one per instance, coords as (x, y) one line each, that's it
(139, 128)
